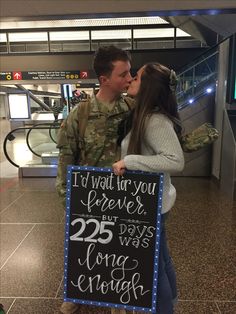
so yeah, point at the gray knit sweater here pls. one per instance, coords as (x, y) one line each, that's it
(161, 152)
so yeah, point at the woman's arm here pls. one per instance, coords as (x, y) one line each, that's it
(161, 150)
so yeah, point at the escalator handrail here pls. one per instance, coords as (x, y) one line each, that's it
(192, 66)
(5, 145)
(197, 63)
(199, 59)
(7, 138)
(40, 127)
(50, 130)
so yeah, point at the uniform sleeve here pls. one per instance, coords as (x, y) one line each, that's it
(162, 150)
(67, 142)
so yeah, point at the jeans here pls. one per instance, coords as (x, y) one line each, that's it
(166, 288)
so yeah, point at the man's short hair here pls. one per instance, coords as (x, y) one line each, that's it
(104, 58)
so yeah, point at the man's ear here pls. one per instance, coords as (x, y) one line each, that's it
(104, 80)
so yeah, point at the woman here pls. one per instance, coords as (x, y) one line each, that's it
(152, 145)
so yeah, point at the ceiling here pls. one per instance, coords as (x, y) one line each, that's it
(44, 9)
(208, 21)
(207, 28)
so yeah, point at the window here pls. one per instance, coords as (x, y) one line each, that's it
(3, 42)
(29, 42)
(69, 41)
(120, 38)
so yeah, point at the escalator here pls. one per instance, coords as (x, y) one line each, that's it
(202, 97)
(196, 101)
(32, 149)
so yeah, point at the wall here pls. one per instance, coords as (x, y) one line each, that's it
(3, 106)
(60, 62)
(228, 160)
(220, 105)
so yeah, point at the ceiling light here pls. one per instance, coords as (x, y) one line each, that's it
(143, 20)
(56, 36)
(23, 37)
(3, 37)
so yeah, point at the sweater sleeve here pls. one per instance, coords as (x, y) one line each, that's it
(161, 150)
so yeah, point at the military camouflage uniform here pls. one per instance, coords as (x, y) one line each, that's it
(98, 146)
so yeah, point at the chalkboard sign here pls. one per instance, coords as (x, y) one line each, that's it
(112, 238)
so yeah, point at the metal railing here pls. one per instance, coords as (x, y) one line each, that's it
(197, 79)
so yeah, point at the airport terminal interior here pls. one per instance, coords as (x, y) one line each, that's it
(200, 44)
(201, 232)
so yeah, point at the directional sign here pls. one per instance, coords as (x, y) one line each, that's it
(40, 75)
(83, 74)
(17, 75)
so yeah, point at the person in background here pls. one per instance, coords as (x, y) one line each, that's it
(57, 108)
(76, 97)
(106, 109)
(65, 109)
(152, 144)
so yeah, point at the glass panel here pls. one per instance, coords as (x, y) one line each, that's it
(42, 138)
(43, 47)
(70, 46)
(56, 47)
(153, 44)
(3, 47)
(198, 79)
(29, 47)
(34, 106)
(188, 43)
(126, 44)
(17, 47)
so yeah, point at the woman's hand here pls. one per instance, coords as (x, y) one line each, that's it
(119, 167)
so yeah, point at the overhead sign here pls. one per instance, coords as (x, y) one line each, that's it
(112, 238)
(44, 75)
(6, 76)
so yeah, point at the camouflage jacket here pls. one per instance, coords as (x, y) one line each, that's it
(96, 144)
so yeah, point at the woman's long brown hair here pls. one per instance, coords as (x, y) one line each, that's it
(154, 95)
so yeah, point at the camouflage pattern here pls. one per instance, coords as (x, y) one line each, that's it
(199, 138)
(98, 146)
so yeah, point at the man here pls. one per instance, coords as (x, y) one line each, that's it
(89, 134)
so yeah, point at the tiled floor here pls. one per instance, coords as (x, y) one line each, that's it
(202, 238)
